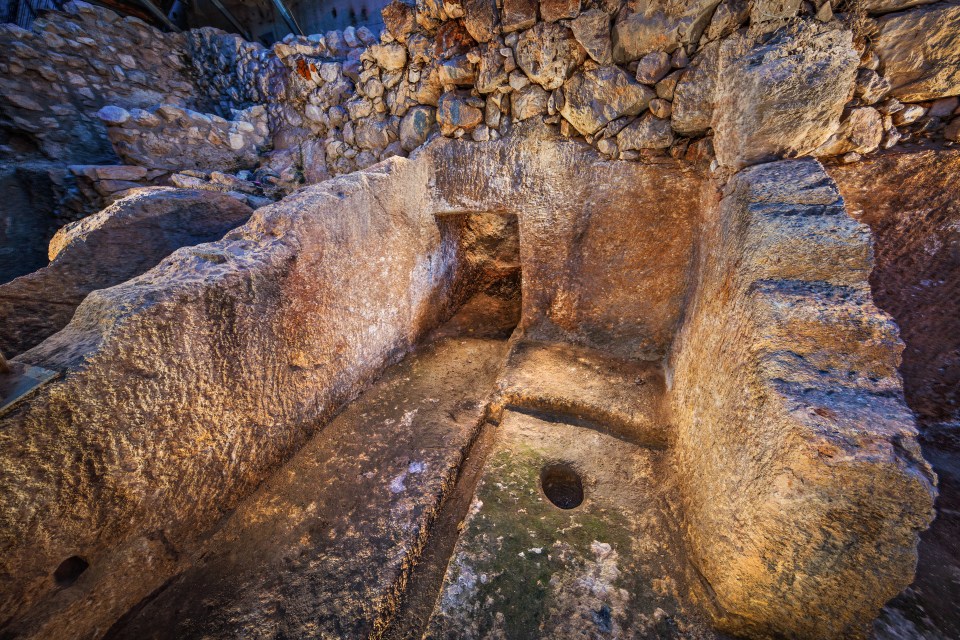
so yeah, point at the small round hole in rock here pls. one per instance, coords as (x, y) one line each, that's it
(562, 485)
(69, 570)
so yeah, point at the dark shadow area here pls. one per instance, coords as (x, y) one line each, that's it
(30, 196)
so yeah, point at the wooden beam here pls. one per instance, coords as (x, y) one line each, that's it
(229, 16)
(288, 17)
(159, 15)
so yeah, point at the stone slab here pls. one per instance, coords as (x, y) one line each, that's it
(619, 396)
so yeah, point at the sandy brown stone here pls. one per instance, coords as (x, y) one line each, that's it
(518, 14)
(553, 10)
(595, 97)
(829, 432)
(456, 111)
(646, 132)
(644, 26)
(400, 19)
(695, 93)
(592, 30)
(240, 331)
(528, 102)
(481, 19)
(492, 70)
(548, 53)
(620, 397)
(920, 51)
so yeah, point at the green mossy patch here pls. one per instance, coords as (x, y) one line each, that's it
(515, 520)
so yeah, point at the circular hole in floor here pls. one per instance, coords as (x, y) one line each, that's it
(69, 570)
(562, 485)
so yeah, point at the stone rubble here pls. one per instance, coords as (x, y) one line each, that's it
(55, 77)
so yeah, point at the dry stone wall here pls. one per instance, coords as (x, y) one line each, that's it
(700, 80)
(748, 84)
(55, 77)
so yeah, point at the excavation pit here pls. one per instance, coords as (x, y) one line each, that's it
(562, 485)
(282, 335)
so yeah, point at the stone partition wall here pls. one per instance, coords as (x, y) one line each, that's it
(606, 247)
(799, 466)
(59, 74)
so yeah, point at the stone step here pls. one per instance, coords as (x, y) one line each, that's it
(620, 397)
(834, 330)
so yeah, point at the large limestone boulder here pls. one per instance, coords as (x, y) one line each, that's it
(548, 53)
(920, 51)
(804, 488)
(643, 26)
(594, 97)
(170, 137)
(781, 98)
(122, 241)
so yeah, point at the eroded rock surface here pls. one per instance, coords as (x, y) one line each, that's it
(262, 370)
(344, 520)
(920, 51)
(525, 568)
(909, 200)
(814, 372)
